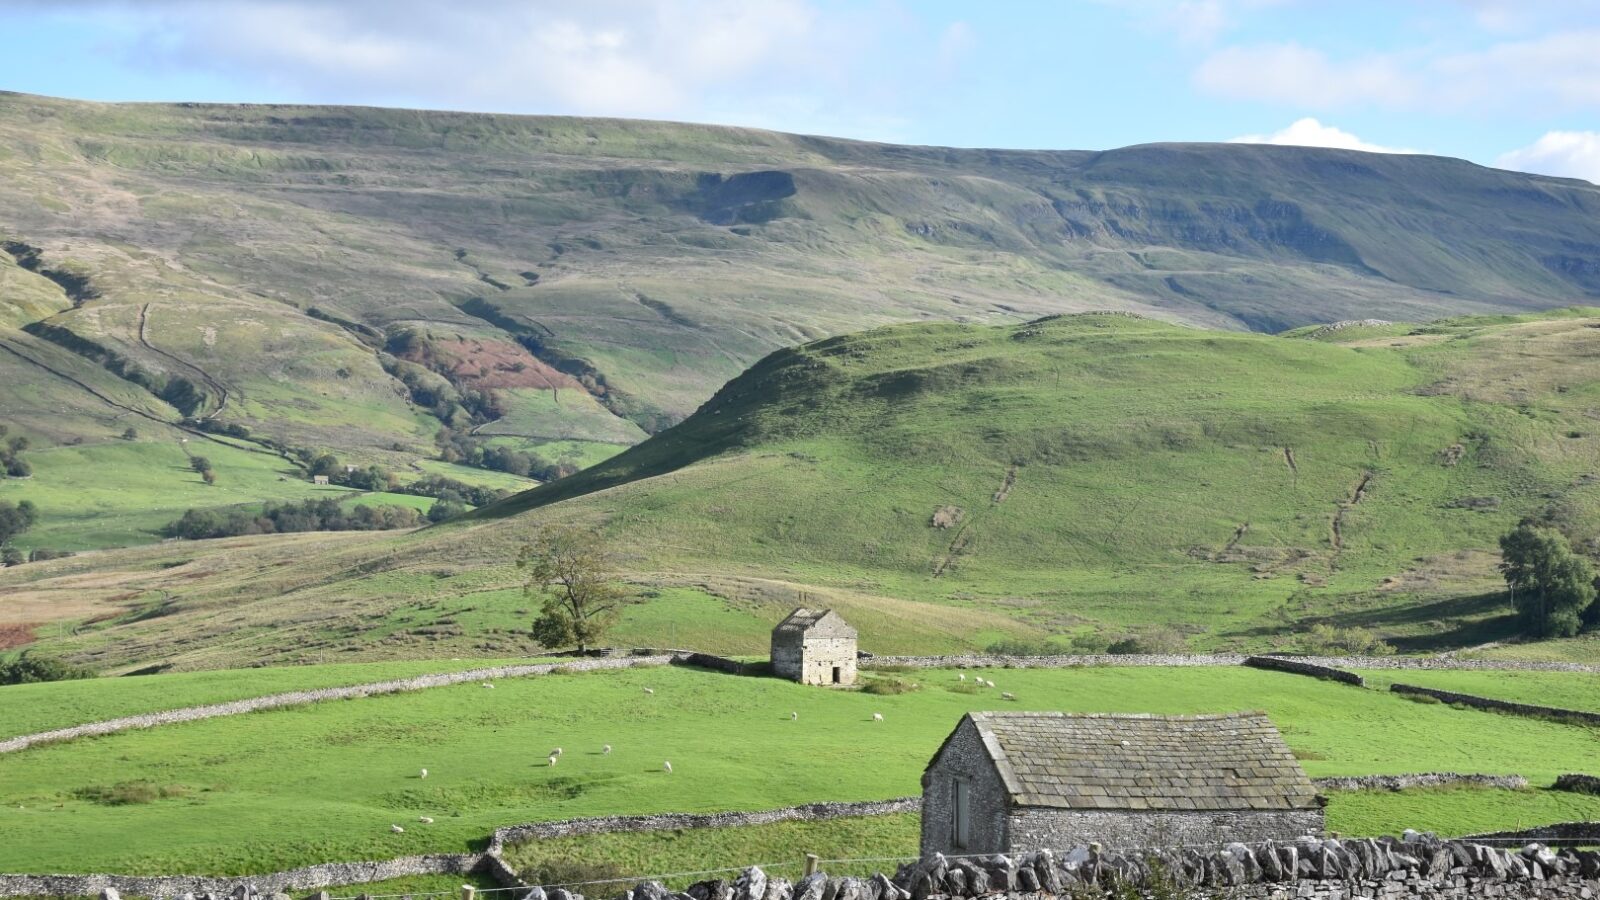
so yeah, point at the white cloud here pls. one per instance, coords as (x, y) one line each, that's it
(955, 43)
(1572, 154)
(1555, 71)
(1294, 74)
(1309, 132)
(592, 57)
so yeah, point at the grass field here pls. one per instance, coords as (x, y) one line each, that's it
(232, 809)
(30, 708)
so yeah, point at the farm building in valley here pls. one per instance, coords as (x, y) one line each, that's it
(814, 646)
(1006, 782)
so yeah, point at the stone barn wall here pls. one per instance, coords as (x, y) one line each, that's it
(822, 654)
(1121, 830)
(963, 756)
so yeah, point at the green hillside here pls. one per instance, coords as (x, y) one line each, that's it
(1069, 481)
(1102, 470)
(356, 280)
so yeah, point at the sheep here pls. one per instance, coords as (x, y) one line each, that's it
(557, 752)
(794, 717)
(424, 774)
(961, 676)
(553, 759)
(1006, 695)
(650, 691)
(667, 767)
(397, 829)
(877, 717)
(488, 685)
(425, 820)
(606, 750)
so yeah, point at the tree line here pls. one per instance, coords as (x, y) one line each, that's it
(284, 518)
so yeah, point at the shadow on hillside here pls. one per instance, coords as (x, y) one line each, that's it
(1448, 624)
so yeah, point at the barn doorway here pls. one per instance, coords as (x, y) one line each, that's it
(835, 674)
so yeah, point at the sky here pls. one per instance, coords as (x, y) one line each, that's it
(1509, 83)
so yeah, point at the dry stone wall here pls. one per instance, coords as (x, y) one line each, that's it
(1067, 661)
(308, 878)
(298, 698)
(1301, 667)
(1505, 706)
(811, 812)
(1578, 784)
(1418, 780)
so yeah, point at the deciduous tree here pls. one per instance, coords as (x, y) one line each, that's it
(571, 569)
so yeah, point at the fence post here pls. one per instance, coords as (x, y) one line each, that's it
(468, 892)
(811, 863)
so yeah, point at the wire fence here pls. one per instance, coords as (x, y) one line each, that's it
(823, 863)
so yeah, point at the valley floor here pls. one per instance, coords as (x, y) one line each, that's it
(279, 789)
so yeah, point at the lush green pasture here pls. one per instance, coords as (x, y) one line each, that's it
(1567, 690)
(122, 492)
(29, 708)
(289, 787)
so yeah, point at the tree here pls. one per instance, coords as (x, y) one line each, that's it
(130, 434)
(16, 518)
(571, 569)
(199, 463)
(1551, 586)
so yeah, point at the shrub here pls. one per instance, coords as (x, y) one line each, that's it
(1019, 647)
(1155, 642)
(573, 872)
(129, 793)
(30, 668)
(887, 686)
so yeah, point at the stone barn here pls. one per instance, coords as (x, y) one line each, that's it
(814, 646)
(1007, 782)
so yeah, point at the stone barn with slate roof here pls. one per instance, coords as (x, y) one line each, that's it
(1006, 782)
(814, 646)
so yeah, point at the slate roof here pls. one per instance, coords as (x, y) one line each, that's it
(803, 620)
(1144, 762)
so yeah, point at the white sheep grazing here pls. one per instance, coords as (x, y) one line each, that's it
(424, 774)
(397, 829)
(666, 767)
(877, 717)
(606, 750)
(488, 685)
(794, 716)
(1006, 695)
(557, 752)
(424, 820)
(552, 759)
(961, 676)
(650, 691)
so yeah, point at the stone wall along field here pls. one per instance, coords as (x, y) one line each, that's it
(1067, 661)
(1505, 706)
(1302, 667)
(1418, 780)
(1578, 784)
(811, 812)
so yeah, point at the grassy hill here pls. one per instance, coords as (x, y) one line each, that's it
(1069, 480)
(349, 279)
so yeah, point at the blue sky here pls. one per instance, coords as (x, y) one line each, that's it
(1502, 82)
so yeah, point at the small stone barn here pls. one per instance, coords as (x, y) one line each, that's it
(814, 646)
(1006, 782)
